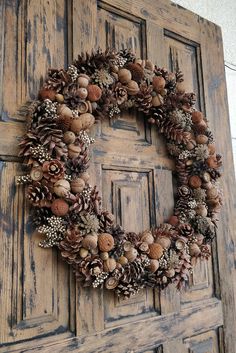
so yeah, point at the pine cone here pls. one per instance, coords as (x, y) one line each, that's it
(183, 271)
(87, 269)
(39, 194)
(57, 79)
(161, 72)
(133, 238)
(179, 76)
(71, 97)
(126, 291)
(120, 94)
(28, 141)
(119, 238)
(144, 98)
(185, 230)
(88, 224)
(127, 54)
(39, 215)
(182, 171)
(133, 271)
(53, 170)
(96, 201)
(76, 166)
(106, 221)
(70, 245)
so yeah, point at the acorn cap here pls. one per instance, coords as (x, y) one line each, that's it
(82, 107)
(180, 243)
(36, 174)
(195, 181)
(111, 283)
(94, 93)
(155, 251)
(59, 207)
(105, 242)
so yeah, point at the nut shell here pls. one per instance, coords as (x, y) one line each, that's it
(202, 139)
(64, 111)
(154, 265)
(77, 185)
(84, 122)
(136, 71)
(124, 76)
(90, 242)
(85, 176)
(194, 250)
(105, 242)
(158, 83)
(147, 237)
(59, 207)
(197, 117)
(132, 88)
(45, 93)
(201, 210)
(109, 265)
(157, 100)
(94, 93)
(83, 80)
(195, 181)
(180, 87)
(82, 92)
(61, 188)
(155, 251)
(123, 260)
(69, 137)
(131, 254)
(73, 151)
(164, 242)
(83, 252)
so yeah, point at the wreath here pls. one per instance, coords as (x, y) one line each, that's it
(68, 211)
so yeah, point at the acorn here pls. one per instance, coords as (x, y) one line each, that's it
(170, 273)
(195, 181)
(131, 254)
(109, 265)
(83, 80)
(46, 93)
(111, 283)
(94, 93)
(132, 88)
(202, 139)
(85, 176)
(82, 92)
(164, 242)
(90, 242)
(104, 255)
(157, 100)
(180, 87)
(65, 111)
(73, 151)
(59, 98)
(61, 188)
(77, 185)
(124, 76)
(211, 148)
(147, 237)
(194, 250)
(36, 174)
(69, 137)
(82, 107)
(123, 260)
(197, 117)
(106, 242)
(158, 83)
(59, 207)
(155, 251)
(154, 265)
(83, 252)
(136, 71)
(212, 162)
(201, 210)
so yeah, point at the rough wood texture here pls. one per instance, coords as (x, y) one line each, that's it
(41, 308)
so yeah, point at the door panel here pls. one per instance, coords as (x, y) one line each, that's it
(42, 309)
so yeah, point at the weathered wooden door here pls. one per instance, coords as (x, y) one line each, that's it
(42, 309)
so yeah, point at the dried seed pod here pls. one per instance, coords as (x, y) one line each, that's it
(82, 107)
(104, 255)
(164, 242)
(36, 174)
(73, 151)
(46, 93)
(85, 176)
(131, 254)
(180, 243)
(105, 242)
(83, 80)
(155, 251)
(147, 237)
(194, 250)
(132, 88)
(94, 93)
(82, 92)
(111, 283)
(124, 76)
(154, 265)
(59, 98)
(90, 242)
(123, 260)
(197, 117)
(158, 83)
(61, 188)
(77, 185)
(170, 273)
(195, 181)
(109, 265)
(59, 207)
(83, 253)
(202, 139)
(201, 210)
(157, 100)
(69, 137)
(64, 111)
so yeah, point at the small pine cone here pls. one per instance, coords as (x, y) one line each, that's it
(57, 79)
(120, 93)
(70, 245)
(39, 194)
(161, 72)
(88, 224)
(96, 201)
(183, 271)
(182, 171)
(106, 221)
(133, 238)
(127, 54)
(126, 291)
(39, 215)
(189, 99)
(133, 272)
(29, 141)
(144, 98)
(185, 230)
(179, 76)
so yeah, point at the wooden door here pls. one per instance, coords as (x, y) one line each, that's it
(42, 309)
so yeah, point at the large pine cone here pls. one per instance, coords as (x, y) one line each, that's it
(70, 245)
(144, 98)
(39, 194)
